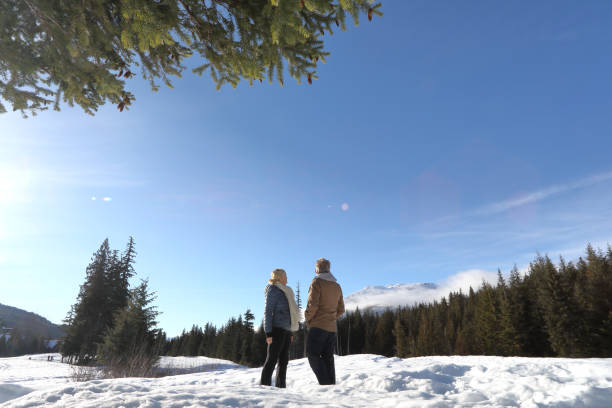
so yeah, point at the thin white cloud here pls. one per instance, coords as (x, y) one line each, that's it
(18, 184)
(380, 297)
(535, 196)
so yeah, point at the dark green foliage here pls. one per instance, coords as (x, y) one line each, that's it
(385, 341)
(15, 342)
(104, 294)
(130, 346)
(235, 341)
(563, 310)
(92, 315)
(298, 346)
(82, 52)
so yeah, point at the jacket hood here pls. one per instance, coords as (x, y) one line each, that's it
(326, 276)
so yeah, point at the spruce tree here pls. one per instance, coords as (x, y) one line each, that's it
(401, 330)
(385, 340)
(83, 52)
(87, 322)
(466, 343)
(555, 301)
(246, 350)
(104, 293)
(259, 347)
(129, 347)
(508, 339)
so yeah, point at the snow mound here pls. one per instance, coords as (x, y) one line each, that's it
(188, 365)
(22, 375)
(363, 381)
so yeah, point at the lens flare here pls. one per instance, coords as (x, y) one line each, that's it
(345, 207)
(93, 198)
(107, 199)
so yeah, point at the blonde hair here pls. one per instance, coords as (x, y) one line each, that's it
(277, 275)
(322, 265)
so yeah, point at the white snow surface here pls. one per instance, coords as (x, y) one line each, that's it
(186, 365)
(363, 381)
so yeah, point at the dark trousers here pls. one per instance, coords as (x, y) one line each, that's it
(278, 351)
(320, 351)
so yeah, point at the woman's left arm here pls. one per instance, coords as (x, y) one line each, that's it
(269, 311)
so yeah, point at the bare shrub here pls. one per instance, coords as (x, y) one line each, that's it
(85, 373)
(185, 369)
(140, 362)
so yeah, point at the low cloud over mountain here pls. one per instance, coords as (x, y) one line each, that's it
(406, 294)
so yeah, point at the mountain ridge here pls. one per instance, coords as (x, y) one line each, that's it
(378, 298)
(29, 322)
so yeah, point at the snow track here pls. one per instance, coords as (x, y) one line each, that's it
(363, 381)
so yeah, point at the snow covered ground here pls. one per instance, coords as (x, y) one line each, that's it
(363, 381)
(188, 365)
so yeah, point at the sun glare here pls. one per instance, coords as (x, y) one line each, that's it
(13, 186)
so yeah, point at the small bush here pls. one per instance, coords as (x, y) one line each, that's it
(85, 373)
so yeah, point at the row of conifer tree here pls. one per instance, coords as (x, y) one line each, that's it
(562, 310)
(17, 343)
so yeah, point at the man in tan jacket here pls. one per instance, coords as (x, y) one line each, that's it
(325, 306)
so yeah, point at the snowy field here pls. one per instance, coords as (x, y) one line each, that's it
(363, 381)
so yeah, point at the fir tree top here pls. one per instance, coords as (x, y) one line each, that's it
(82, 52)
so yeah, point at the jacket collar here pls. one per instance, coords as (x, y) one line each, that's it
(326, 276)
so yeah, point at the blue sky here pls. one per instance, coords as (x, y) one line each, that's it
(461, 136)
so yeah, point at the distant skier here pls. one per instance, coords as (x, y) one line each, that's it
(325, 306)
(281, 319)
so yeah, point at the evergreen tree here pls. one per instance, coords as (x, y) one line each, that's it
(88, 321)
(465, 343)
(259, 347)
(385, 341)
(487, 320)
(246, 352)
(129, 348)
(594, 295)
(298, 347)
(358, 332)
(555, 301)
(104, 293)
(402, 333)
(508, 339)
(3, 346)
(82, 52)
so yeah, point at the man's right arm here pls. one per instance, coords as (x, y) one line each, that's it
(340, 309)
(313, 301)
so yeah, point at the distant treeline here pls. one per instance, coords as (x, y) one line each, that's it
(237, 341)
(17, 343)
(562, 310)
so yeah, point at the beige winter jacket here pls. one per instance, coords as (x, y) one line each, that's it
(325, 304)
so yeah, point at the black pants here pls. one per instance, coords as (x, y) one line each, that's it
(320, 351)
(277, 351)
